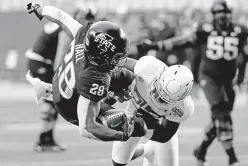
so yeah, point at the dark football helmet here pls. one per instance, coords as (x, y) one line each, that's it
(222, 14)
(106, 45)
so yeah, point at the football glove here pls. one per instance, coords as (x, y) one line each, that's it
(144, 46)
(110, 99)
(127, 130)
(33, 9)
(140, 128)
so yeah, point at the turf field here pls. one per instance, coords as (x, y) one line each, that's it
(19, 126)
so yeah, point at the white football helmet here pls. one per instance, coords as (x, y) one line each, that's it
(174, 84)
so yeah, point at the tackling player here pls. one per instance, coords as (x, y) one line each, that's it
(161, 97)
(82, 80)
(41, 61)
(223, 42)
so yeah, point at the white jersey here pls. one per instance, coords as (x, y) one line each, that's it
(146, 70)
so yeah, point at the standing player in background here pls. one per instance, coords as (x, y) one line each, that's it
(223, 42)
(42, 62)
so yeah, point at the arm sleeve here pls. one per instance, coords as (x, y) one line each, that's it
(70, 25)
(62, 47)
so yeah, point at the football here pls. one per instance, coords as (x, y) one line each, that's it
(115, 119)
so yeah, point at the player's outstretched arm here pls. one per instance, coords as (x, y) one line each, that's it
(63, 44)
(172, 44)
(88, 112)
(69, 25)
(130, 64)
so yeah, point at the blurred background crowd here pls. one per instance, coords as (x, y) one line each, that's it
(154, 20)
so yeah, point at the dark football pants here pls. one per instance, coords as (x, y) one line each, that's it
(220, 95)
(44, 72)
(164, 130)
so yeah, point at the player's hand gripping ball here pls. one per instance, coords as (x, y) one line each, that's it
(114, 119)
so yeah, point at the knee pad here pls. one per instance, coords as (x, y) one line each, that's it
(224, 128)
(48, 111)
(220, 110)
(227, 144)
(117, 164)
(210, 130)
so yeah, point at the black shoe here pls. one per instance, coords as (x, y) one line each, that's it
(233, 162)
(200, 157)
(48, 147)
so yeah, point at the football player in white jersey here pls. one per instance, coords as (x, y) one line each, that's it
(161, 96)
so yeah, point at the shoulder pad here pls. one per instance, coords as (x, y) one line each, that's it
(50, 27)
(148, 63)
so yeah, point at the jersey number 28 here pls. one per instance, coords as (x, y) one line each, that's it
(97, 89)
(222, 47)
(67, 80)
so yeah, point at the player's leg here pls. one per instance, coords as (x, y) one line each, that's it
(166, 148)
(162, 148)
(48, 113)
(46, 140)
(213, 91)
(160, 154)
(208, 138)
(127, 148)
(167, 153)
(224, 124)
(40, 75)
(122, 152)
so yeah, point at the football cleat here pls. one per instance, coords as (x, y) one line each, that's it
(200, 158)
(48, 147)
(233, 162)
(42, 89)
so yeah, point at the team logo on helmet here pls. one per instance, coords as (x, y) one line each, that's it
(105, 43)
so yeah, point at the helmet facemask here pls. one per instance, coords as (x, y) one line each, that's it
(221, 14)
(222, 20)
(155, 96)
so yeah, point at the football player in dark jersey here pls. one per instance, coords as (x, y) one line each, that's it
(41, 61)
(223, 42)
(82, 80)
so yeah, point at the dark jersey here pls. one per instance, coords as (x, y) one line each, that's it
(46, 44)
(75, 77)
(220, 49)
